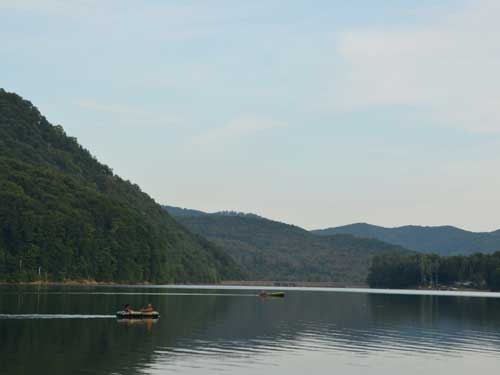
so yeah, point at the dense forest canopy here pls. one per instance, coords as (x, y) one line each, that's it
(441, 240)
(481, 271)
(269, 250)
(64, 215)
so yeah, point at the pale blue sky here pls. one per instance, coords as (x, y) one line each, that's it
(317, 113)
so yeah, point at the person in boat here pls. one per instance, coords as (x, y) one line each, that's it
(127, 308)
(148, 309)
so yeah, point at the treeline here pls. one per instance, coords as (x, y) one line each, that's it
(63, 215)
(480, 271)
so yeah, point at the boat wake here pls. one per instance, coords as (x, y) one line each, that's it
(54, 316)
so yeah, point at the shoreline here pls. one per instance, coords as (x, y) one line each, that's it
(70, 283)
(289, 284)
(235, 283)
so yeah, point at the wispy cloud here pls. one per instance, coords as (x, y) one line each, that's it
(50, 6)
(110, 108)
(131, 115)
(236, 129)
(448, 68)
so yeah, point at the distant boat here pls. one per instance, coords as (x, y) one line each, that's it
(137, 315)
(272, 294)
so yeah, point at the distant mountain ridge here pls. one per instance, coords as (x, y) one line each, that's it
(442, 240)
(269, 250)
(179, 211)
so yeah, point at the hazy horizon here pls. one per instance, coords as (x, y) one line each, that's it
(341, 113)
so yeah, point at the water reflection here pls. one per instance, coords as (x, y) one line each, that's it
(148, 323)
(241, 333)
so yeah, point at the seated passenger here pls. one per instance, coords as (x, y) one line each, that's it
(148, 309)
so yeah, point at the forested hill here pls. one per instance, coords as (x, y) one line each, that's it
(269, 250)
(63, 215)
(442, 240)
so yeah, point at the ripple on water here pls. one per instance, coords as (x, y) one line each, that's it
(400, 341)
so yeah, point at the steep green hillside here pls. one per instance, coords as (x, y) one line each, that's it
(63, 215)
(269, 250)
(443, 240)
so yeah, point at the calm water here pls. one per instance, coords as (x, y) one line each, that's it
(211, 331)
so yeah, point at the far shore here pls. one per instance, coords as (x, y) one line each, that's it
(302, 284)
(244, 283)
(70, 283)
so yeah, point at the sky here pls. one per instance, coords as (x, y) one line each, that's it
(318, 113)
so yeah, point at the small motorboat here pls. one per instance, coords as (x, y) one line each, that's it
(272, 294)
(137, 315)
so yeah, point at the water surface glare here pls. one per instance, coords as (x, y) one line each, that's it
(211, 330)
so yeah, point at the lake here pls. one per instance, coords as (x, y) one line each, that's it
(73, 330)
